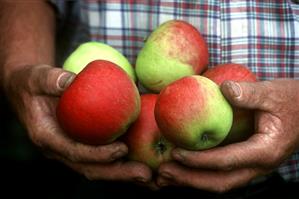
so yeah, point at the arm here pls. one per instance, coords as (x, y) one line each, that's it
(27, 35)
(33, 86)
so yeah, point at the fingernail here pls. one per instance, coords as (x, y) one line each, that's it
(166, 175)
(177, 155)
(140, 179)
(117, 155)
(234, 89)
(162, 183)
(65, 80)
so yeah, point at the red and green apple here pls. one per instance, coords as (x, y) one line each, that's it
(93, 50)
(243, 120)
(193, 114)
(173, 50)
(100, 104)
(144, 139)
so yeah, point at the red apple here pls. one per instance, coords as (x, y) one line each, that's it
(230, 71)
(144, 139)
(243, 120)
(193, 114)
(99, 105)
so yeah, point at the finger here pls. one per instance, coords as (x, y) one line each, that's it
(79, 152)
(122, 171)
(49, 136)
(150, 185)
(257, 95)
(215, 181)
(256, 151)
(49, 80)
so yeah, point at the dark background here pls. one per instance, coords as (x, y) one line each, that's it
(25, 172)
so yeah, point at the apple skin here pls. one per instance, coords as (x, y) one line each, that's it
(230, 71)
(193, 114)
(144, 139)
(93, 50)
(243, 120)
(99, 105)
(173, 50)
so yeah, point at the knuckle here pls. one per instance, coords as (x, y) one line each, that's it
(228, 167)
(229, 163)
(73, 157)
(191, 160)
(89, 175)
(102, 156)
(270, 154)
(273, 159)
(73, 154)
(37, 140)
(222, 189)
(224, 185)
(187, 160)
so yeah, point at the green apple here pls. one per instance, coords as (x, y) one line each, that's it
(173, 50)
(193, 114)
(93, 50)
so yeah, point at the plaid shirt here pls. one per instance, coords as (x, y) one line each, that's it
(263, 35)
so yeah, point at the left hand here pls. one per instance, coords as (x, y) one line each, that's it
(276, 137)
(34, 92)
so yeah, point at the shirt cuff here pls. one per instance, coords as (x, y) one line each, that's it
(59, 7)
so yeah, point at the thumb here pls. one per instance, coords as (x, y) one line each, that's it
(252, 95)
(51, 80)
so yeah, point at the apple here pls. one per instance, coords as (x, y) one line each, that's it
(99, 105)
(230, 71)
(193, 114)
(93, 50)
(144, 139)
(243, 120)
(173, 50)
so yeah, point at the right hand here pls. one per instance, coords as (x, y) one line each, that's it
(34, 92)
(276, 137)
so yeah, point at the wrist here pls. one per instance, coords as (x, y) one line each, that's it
(29, 38)
(8, 71)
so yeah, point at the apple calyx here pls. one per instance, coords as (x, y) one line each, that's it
(161, 146)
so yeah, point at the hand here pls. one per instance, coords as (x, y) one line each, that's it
(276, 137)
(34, 92)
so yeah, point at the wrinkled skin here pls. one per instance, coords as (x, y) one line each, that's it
(34, 92)
(34, 89)
(276, 137)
